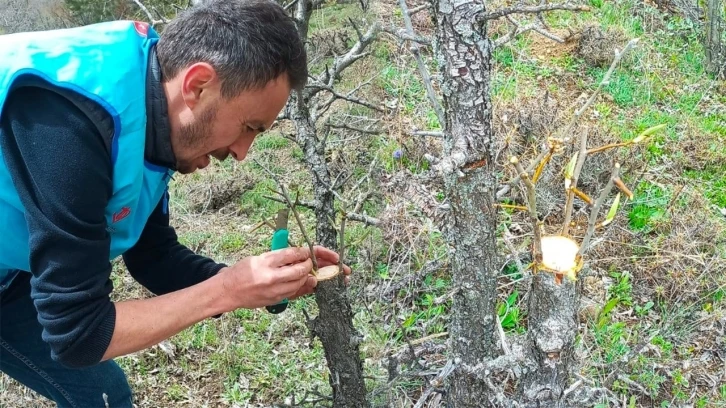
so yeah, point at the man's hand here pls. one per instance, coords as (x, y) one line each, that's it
(253, 282)
(324, 257)
(266, 279)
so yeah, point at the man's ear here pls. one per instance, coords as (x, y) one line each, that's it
(200, 82)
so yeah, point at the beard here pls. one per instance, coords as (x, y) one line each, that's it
(195, 137)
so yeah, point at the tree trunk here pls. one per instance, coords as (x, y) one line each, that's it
(715, 52)
(334, 324)
(464, 55)
(553, 326)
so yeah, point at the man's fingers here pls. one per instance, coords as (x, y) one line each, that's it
(326, 254)
(328, 257)
(296, 271)
(307, 288)
(287, 256)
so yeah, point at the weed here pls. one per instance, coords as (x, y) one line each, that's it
(510, 314)
(648, 207)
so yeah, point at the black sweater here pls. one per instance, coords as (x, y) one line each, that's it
(60, 162)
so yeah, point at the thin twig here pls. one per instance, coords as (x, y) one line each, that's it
(533, 9)
(575, 176)
(402, 35)
(532, 206)
(417, 9)
(148, 14)
(596, 209)
(307, 204)
(293, 208)
(502, 336)
(341, 252)
(353, 128)
(363, 218)
(422, 66)
(429, 133)
(337, 95)
(605, 81)
(516, 31)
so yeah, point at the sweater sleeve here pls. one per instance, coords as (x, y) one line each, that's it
(60, 165)
(160, 262)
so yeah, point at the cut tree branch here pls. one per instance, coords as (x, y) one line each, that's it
(532, 206)
(425, 75)
(576, 117)
(533, 10)
(575, 177)
(605, 81)
(596, 209)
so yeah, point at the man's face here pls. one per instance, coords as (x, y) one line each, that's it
(218, 127)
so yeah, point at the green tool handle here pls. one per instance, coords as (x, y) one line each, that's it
(279, 241)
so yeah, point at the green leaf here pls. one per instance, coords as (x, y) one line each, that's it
(648, 132)
(613, 210)
(570, 170)
(606, 309)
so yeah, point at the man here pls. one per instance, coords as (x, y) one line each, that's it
(93, 123)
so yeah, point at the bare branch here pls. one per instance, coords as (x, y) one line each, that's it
(596, 209)
(307, 204)
(516, 30)
(341, 251)
(502, 336)
(363, 218)
(403, 35)
(422, 66)
(293, 208)
(532, 207)
(575, 177)
(317, 87)
(146, 11)
(353, 128)
(548, 34)
(605, 81)
(417, 9)
(341, 63)
(428, 133)
(533, 10)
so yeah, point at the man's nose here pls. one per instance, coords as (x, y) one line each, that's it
(240, 148)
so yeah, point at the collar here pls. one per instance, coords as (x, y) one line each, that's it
(158, 134)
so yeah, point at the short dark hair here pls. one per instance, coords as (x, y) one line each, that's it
(248, 42)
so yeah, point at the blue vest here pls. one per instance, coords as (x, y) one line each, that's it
(107, 63)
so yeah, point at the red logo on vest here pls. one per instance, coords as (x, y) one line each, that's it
(141, 28)
(123, 213)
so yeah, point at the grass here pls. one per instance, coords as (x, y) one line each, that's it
(657, 271)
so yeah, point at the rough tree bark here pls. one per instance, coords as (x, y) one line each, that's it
(715, 49)
(464, 55)
(553, 325)
(334, 323)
